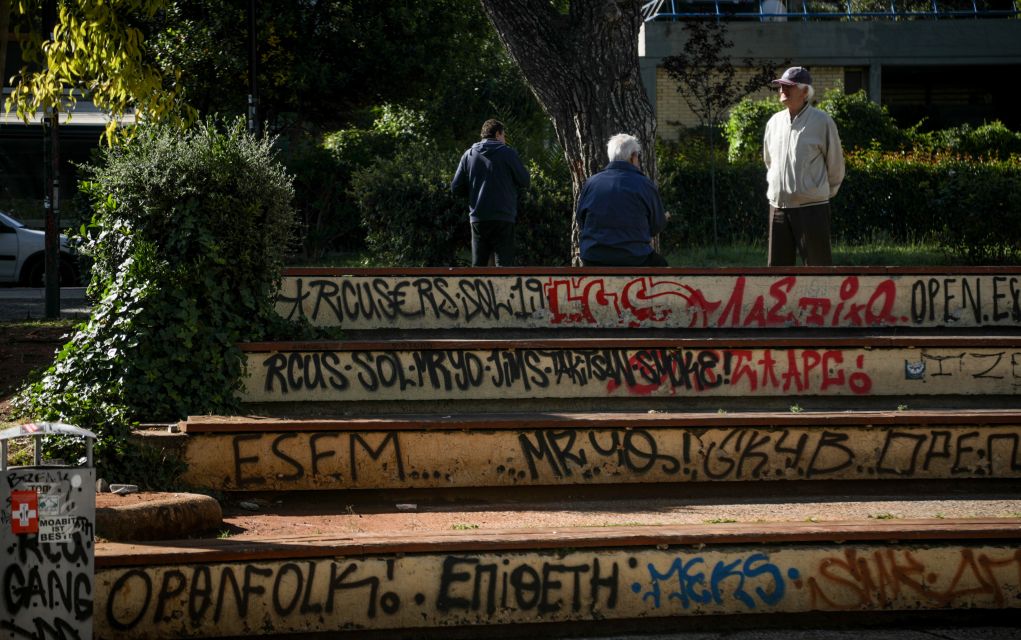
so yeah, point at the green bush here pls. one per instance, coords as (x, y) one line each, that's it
(973, 210)
(326, 217)
(684, 185)
(980, 204)
(862, 123)
(331, 219)
(407, 210)
(746, 126)
(887, 195)
(188, 236)
(989, 141)
(545, 212)
(413, 219)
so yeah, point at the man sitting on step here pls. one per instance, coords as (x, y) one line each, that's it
(619, 211)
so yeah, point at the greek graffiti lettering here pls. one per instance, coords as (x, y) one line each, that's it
(681, 300)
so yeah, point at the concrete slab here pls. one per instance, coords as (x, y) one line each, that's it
(155, 516)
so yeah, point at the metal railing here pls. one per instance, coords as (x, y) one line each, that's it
(784, 10)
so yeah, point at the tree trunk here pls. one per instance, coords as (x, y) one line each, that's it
(582, 67)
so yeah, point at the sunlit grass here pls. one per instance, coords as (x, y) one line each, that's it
(33, 323)
(879, 254)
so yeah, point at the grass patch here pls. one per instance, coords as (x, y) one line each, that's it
(41, 323)
(342, 260)
(461, 526)
(879, 253)
(886, 515)
(727, 255)
(888, 254)
(720, 521)
(752, 254)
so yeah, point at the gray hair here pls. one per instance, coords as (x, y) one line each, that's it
(811, 92)
(621, 146)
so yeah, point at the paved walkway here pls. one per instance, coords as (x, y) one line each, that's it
(29, 303)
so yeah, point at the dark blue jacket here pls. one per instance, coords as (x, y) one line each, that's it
(619, 211)
(490, 174)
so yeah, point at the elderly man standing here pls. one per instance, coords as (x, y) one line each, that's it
(804, 169)
(619, 211)
(490, 174)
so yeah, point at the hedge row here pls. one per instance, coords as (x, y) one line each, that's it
(411, 218)
(386, 189)
(863, 124)
(972, 210)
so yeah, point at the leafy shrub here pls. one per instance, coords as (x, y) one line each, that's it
(331, 219)
(545, 212)
(407, 210)
(684, 185)
(981, 207)
(862, 123)
(746, 127)
(327, 219)
(887, 195)
(413, 219)
(188, 236)
(973, 210)
(989, 141)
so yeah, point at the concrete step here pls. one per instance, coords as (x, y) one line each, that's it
(654, 373)
(412, 580)
(608, 298)
(244, 453)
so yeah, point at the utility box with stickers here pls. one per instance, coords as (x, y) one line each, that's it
(47, 540)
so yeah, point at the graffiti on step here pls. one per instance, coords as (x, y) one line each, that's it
(529, 372)
(512, 457)
(877, 579)
(689, 301)
(444, 589)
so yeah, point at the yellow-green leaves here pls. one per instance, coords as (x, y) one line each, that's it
(96, 52)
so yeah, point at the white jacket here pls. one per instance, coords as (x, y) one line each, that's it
(804, 161)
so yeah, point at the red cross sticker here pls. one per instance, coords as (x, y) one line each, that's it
(24, 511)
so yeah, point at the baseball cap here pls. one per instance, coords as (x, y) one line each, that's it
(794, 75)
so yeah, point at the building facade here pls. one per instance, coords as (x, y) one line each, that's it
(946, 66)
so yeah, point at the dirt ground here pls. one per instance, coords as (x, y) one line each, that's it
(331, 514)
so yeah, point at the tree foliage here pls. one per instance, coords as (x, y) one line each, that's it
(706, 75)
(746, 127)
(707, 81)
(323, 64)
(863, 123)
(95, 50)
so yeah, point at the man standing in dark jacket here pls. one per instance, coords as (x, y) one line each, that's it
(490, 174)
(619, 211)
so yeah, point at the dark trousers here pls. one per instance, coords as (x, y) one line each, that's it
(492, 238)
(651, 260)
(803, 231)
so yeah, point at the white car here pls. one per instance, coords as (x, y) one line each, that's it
(23, 255)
